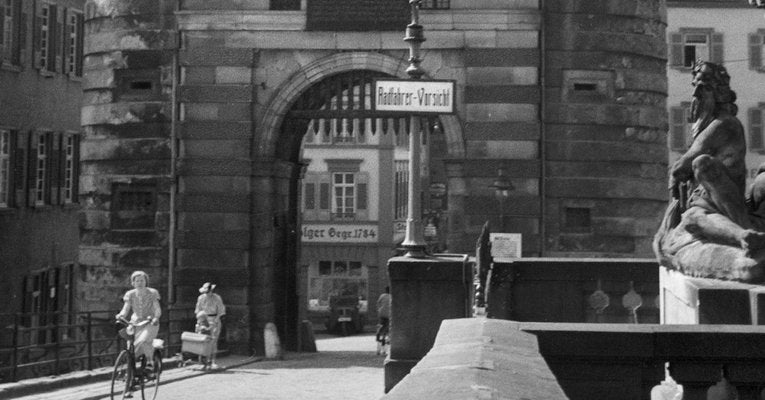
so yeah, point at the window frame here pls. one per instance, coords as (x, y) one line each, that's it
(6, 168)
(678, 43)
(73, 42)
(8, 29)
(42, 168)
(756, 49)
(341, 210)
(68, 153)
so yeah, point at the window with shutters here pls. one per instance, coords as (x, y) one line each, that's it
(41, 168)
(679, 128)
(756, 142)
(756, 45)
(47, 35)
(47, 300)
(11, 31)
(693, 44)
(6, 29)
(5, 168)
(344, 196)
(73, 43)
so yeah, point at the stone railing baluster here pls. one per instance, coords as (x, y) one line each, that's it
(599, 301)
(695, 377)
(632, 301)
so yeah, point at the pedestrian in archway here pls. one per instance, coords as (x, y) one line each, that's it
(211, 304)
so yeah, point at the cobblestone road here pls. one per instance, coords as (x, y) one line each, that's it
(344, 368)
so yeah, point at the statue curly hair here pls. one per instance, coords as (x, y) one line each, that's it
(715, 77)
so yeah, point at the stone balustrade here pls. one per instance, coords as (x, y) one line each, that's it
(598, 290)
(499, 359)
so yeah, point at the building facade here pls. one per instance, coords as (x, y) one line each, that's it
(725, 32)
(41, 45)
(195, 165)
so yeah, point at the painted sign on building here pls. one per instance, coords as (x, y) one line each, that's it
(414, 96)
(338, 233)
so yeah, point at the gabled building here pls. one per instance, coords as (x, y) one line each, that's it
(41, 74)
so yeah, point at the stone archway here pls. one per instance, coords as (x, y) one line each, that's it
(282, 186)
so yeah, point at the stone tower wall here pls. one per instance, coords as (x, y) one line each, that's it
(605, 126)
(125, 179)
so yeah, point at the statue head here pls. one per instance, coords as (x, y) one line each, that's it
(712, 95)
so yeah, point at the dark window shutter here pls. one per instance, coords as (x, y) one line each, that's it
(54, 169)
(755, 51)
(32, 169)
(2, 28)
(22, 35)
(37, 36)
(716, 50)
(361, 196)
(80, 32)
(20, 168)
(18, 28)
(324, 196)
(310, 196)
(54, 45)
(66, 32)
(12, 137)
(76, 170)
(677, 128)
(676, 49)
(755, 129)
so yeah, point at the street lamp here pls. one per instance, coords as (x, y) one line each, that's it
(414, 240)
(502, 188)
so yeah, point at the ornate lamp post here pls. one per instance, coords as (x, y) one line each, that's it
(502, 188)
(414, 240)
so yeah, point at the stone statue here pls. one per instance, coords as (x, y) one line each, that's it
(713, 227)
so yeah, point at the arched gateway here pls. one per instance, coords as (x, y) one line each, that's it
(331, 100)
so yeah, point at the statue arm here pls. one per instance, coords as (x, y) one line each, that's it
(709, 141)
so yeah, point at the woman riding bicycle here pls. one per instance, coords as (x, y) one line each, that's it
(143, 301)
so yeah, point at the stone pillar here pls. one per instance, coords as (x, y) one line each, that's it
(424, 292)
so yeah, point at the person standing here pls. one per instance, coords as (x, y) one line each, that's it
(143, 302)
(383, 314)
(211, 304)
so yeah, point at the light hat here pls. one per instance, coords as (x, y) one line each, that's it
(207, 287)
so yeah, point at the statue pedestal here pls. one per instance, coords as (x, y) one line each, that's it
(689, 300)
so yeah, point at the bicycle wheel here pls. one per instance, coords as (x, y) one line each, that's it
(150, 384)
(122, 376)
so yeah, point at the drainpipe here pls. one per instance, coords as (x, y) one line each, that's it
(173, 174)
(542, 133)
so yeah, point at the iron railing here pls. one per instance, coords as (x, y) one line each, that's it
(41, 344)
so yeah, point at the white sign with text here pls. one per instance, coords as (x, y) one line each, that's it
(337, 233)
(505, 245)
(414, 96)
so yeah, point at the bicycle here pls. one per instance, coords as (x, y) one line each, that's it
(383, 338)
(129, 372)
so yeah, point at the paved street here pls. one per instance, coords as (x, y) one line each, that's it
(344, 368)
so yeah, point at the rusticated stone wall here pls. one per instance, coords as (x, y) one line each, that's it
(126, 149)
